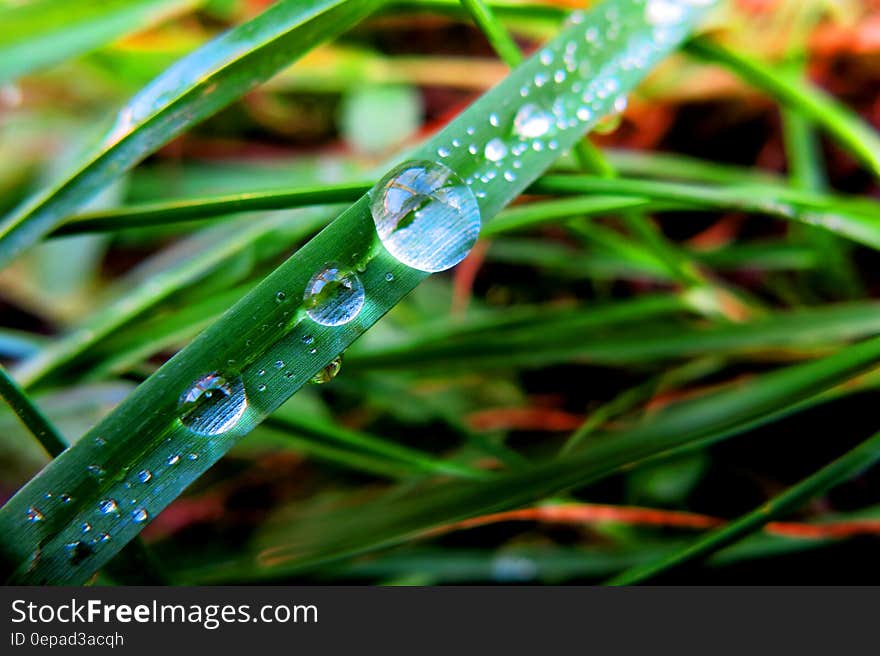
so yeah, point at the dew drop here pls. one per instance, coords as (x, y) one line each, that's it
(664, 12)
(108, 506)
(279, 364)
(307, 339)
(66, 498)
(212, 404)
(77, 552)
(86, 527)
(329, 372)
(494, 121)
(145, 475)
(333, 297)
(96, 471)
(280, 296)
(34, 515)
(531, 121)
(261, 388)
(140, 515)
(425, 215)
(496, 150)
(193, 456)
(173, 460)
(389, 277)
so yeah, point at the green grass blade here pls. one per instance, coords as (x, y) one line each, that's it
(172, 212)
(145, 433)
(194, 88)
(848, 465)
(495, 32)
(191, 261)
(845, 126)
(627, 333)
(40, 33)
(30, 415)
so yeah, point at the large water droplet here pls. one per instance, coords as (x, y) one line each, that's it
(531, 121)
(425, 215)
(329, 372)
(140, 515)
(212, 404)
(334, 297)
(145, 475)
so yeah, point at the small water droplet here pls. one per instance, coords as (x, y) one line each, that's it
(531, 121)
(425, 215)
(334, 297)
(108, 506)
(329, 372)
(496, 150)
(261, 388)
(389, 277)
(279, 364)
(261, 372)
(77, 552)
(140, 515)
(100, 441)
(494, 121)
(443, 151)
(145, 475)
(212, 404)
(96, 471)
(66, 498)
(34, 515)
(307, 339)
(173, 460)
(280, 296)
(193, 456)
(86, 527)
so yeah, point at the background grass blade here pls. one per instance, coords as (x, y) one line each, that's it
(850, 464)
(845, 126)
(302, 543)
(40, 33)
(144, 432)
(30, 415)
(192, 89)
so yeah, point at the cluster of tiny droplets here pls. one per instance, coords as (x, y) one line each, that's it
(529, 124)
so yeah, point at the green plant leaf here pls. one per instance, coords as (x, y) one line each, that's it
(270, 326)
